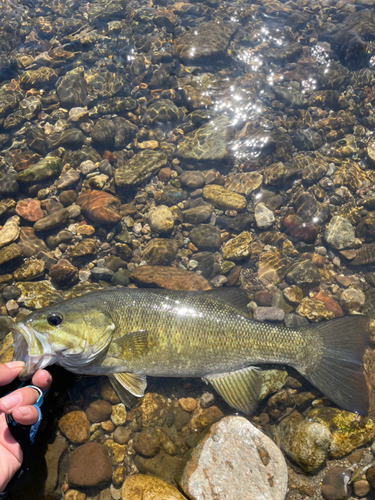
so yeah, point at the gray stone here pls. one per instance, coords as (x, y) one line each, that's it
(234, 456)
(264, 217)
(206, 237)
(52, 221)
(339, 233)
(139, 168)
(269, 314)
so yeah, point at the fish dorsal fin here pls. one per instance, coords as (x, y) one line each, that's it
(135, 342)
(235, 297)
(240, 389)
(132, 382)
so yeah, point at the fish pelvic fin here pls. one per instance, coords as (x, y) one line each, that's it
(240, 389)
(339, 371)
(128, 387)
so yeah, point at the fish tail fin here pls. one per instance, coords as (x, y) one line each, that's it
(339, 371)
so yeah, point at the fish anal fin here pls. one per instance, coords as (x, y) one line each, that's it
(136, 343)
(235, 297)
(132, 382)
(240, 389)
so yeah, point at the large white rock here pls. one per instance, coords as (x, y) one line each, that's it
(235, 461)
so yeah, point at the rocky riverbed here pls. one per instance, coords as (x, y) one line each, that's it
(191, 145)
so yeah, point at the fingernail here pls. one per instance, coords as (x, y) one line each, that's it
(24, 410)
(10, 401)
(15, 364)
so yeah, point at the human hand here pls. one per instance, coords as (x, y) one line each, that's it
(19, 404)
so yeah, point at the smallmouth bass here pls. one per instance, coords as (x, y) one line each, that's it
(128, 334)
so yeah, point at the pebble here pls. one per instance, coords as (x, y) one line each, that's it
(122, 435)
(98, 411)
(141, 487)
(29, 209)
(339, 233)
(118, 415)
(147, 442)
(188, 404)
(89, 466)
(269, 314)
(75, 426)
(161, 219)
(352, 299)
(264, 217)
(335, 484)
(10, 231)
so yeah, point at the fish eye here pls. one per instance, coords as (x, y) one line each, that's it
(54, 319)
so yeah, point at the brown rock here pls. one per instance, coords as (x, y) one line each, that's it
(334, 485)
(75, 426)
(169, 277)
(147, 442)
(64, 273)
(29, 209)
(330, 304)
(89, 466)
(141, 487)
(151, 410)
(164, 174)
(99, 206)
(188, 404)
(98, 411)
(205, 417)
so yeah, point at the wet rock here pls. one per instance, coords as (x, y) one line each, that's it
(352, 299)
(29, 209)
(264, 217)
(272, 266)
(37, 295)
(118, 414)
(10, 231)
(122, 435)
(68, 179)
(163, 110)
(30, 244)
(314, 310)
(151, 410)
(335, 485)
(99, 206)
(206, 237)
(67, 198)
(52, 459)
(75, 427)
(8, 183)
(294, 294)
(192, 179)
(139, 487)
(269, 314)
(89, 466)
(9, 253)
(171, 196)
(235, 224)
(302, 231)
(72, 88)
(330, 304)
(348, 430)
(147, 442)
(306, 443)
(208, 142)
(238, 248)
(303, 274)
(44, 169)
(272, 381)
(206, 40)
(244, 183)
(139, 168)
(98, 411)
(83, 248)
(223, 198)
(160, 252)
(104, 132)
(197, 215)
(254, 459)
(64, 273)
(52, 221)
(162, 465)
(161, 219)
(339, 233)
(101, 273)
(63, 236)
(170, 278)
(121, 277)
(29, 271)
(73, 138)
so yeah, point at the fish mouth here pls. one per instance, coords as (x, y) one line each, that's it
(33, 348)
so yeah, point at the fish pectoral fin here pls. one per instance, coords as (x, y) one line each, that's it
(240, 389)
(136, 343)
(132, 382)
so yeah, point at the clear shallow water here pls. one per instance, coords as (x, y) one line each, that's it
(165, 103)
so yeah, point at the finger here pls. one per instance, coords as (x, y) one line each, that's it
(25, 415)
(22, 397)
(42, 379)
(9, 371)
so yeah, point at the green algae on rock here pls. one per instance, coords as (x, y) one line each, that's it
(44, 169)
(349, 431)
(208, 142)
(139, 168)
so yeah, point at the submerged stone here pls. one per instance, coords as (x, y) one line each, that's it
(44, 169)
(139, 168)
